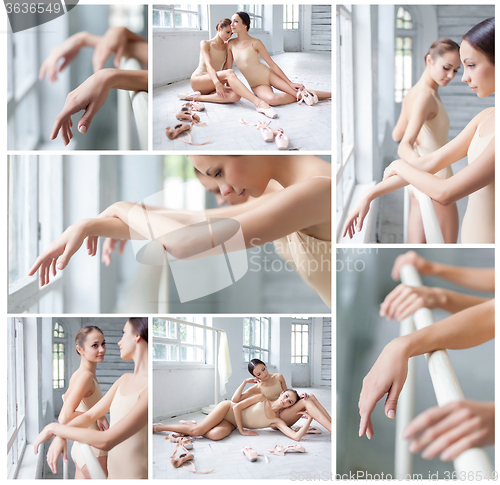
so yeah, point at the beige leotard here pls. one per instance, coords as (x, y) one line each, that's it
(272, 392)
(434, 135)
(478, 225)
(85, 404)
(247, 60)
(128, 459)
(252, 417)
(312, 259)
(218, 58)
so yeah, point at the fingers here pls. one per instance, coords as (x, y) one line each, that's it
(121, 247)
(65, 452)
(101, 55)
(119, 53)
(391, 402)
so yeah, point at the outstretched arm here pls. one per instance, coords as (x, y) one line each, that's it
(294, 435)
(239, 395)
(466, 329)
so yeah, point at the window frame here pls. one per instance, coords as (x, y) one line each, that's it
(293, 21)
(64, 341)
(346, 163)
(257, 348)
(250, 10)
(177, 342)
(173, 9)
(293, 354)
(411, 33)
(15, 344)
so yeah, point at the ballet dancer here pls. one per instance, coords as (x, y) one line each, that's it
(256, 412)
(271, 385)
(296, 218)
(84, 392)
(477, 141)
(210, 78)
(245, 51)
(126, 440)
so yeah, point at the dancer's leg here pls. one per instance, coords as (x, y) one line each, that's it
(266, 93)
(448, 221)
(220, 431)
(416, 233)
(313, 408)
(200, 429)
(205, 86)
(239, 88)
(84, 473)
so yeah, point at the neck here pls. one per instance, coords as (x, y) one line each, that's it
(141, 360)
(217, 39)
(87, 365)
(243, 35)
(428, 81)
(276, 406)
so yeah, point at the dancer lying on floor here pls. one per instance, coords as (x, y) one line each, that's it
(271, 386)
(256, 412)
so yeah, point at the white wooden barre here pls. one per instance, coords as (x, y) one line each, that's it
(93, 466)
(445, 382)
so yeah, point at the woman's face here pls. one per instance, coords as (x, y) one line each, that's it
(128, 342)
(211, 186)
(260, 372)
(225, 33)
(241, 176)
(444, 68)
(237, 25)
(287, 399)
(479, 72)
(94, 347)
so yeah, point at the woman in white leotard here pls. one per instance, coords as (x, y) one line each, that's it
(299, 213)
(272, 385)
(422, 128)
(84, 392)
(213, 82)
(126, 440)
(477, 140)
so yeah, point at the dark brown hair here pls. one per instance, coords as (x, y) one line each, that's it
(253, 364)
(482, 38)
(223, 23)
(140, 326)
(440, 47)
(295, 392)
(245, 18)
(81, 336)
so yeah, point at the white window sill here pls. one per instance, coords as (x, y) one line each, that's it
(31, 464)
(363, 236)
(158, 364)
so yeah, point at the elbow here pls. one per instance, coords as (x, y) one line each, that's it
(64, 418)
(105, 443)
(235, 400)
(396, 136)
(444, 197)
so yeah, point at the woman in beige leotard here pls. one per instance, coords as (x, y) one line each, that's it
(84, 392)
(213, 82)
(127, 400)
(245, 51)
(423, 127)
(302, 205)
(256, 412)
(272, 385)
(477, 53)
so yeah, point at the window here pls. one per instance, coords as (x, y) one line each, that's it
(290, 17)
(256, 338)
(35, 219)
(176, 342)
(300, 343)
(255, 14)
(59, 357)
(345, 113)
(130, 16)
(176, 16)
(403, 56)
(16, 403)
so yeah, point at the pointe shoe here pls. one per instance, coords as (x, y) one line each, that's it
(250, 453)
(269, 112)
(188, 422)
(184, 115)
(174, 132)
(186, 96)
(178, 438)
(194, 106)
(281, 140)
(178, 461)
(306, 97)
(311, 430)
(280, 450)
(155, 427)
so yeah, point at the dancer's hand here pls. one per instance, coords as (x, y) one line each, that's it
(44, 435)
(450, 430)
(221, 90)
(391, 170)
(59, 252)
(252, 380)
(89, 96)
(114, 41)
(297, 86)
(68, 50)
(249, 432)
(304, 396)
(387, 375)
(109, 246)
(58, 447)
(423, 266)
(102, 423)
(406, 300)
(356, 216)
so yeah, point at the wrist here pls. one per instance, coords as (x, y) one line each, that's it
(109, 77)
(441, 296)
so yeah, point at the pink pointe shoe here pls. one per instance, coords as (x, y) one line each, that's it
(189, 96)
(194, 106)
(250, 453)
(269, 112)
(281, 450)
(281, 139)
(306, 97)
(263, 127)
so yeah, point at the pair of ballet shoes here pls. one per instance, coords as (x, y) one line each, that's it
(252, 455)
(184, 460)
(307, 97)
(278, 136)
(280, 450)
(175, 131)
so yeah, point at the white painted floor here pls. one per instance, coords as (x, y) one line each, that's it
(229, 462)
(308, 128)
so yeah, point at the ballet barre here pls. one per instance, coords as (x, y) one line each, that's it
(132, 103)
(446, 387)
(432, 229)
(93, 466)
(217, 331)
